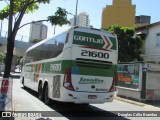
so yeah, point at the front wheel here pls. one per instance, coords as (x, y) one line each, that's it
(46, 97)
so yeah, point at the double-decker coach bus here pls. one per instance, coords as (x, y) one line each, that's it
(77, 66)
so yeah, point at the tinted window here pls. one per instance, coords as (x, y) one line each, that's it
(50, 49)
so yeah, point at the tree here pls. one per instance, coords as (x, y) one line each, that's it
(2, 57)
(16, 9)
(129, 47)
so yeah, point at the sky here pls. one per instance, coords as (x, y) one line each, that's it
(92, 7)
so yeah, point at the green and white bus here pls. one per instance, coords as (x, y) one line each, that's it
(77, 65)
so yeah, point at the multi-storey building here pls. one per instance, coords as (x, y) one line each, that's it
(142, 20)
(38, 32)
(81, 20)
(121, 12)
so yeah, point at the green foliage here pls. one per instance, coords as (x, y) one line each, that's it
(19, 59)
(18, 6)
(2, 57)
(129, 48)
(60, 17)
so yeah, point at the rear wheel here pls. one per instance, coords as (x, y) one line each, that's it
(46, 97)
(40, 92)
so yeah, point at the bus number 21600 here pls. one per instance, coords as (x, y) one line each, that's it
(94, 54)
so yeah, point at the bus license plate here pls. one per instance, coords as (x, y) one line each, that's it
(92, 96)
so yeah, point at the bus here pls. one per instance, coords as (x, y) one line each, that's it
(77, 65)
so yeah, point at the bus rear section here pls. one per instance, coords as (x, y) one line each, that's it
(90, 74)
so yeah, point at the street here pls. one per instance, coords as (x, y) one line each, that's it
(26, 100)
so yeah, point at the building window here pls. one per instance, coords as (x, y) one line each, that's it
(158, 39)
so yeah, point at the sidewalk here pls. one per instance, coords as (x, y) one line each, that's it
(12, 74)
(8, 101)
(153, 104)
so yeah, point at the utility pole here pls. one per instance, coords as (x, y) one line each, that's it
(75, 17)
(1, 28)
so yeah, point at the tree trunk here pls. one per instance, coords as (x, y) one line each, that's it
(11, 37)
(10, 43)
(9, 56)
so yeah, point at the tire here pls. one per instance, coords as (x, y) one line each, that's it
(40, 92)
(46, 97)
(24, 87)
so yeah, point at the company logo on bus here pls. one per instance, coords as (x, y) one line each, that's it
(88, 39)
(94, 40)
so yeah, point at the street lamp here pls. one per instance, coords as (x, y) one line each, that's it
(75, 16)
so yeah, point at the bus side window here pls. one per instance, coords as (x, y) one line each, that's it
(66, 41)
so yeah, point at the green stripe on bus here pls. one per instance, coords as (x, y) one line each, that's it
(59, 67)
(88, 70)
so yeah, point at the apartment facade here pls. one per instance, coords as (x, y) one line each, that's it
(121, 12)
(38, 32)
(81, 20)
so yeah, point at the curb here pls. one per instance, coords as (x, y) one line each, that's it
(141, 104)
(130, 101)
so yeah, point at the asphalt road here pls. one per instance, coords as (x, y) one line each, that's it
(26, 100)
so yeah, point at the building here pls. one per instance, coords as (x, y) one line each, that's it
(152, 41)
(142, 20)
(121, 12)
(38, 32)
(82, 20)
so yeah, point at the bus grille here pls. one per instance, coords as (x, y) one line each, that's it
(93, 63)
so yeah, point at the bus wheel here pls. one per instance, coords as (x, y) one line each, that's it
(46, 97)
(40, 92)
(24, 87)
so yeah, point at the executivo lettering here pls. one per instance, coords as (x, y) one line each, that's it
(90, 81)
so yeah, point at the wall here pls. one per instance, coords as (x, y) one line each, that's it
(152, 50)
(153, 82)
(149, 83)
(129, 80)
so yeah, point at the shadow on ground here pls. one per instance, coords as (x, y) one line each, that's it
(76, 112)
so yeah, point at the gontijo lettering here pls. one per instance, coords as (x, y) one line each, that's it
(88, 39)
